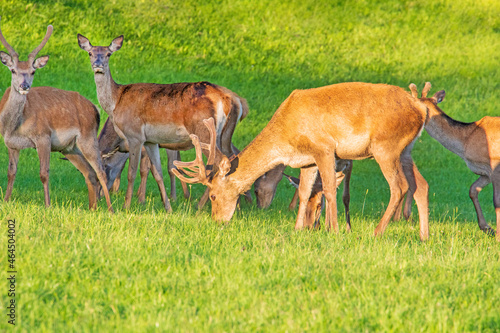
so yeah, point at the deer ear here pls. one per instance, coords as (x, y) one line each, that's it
(224, 166)
(439, 96)
(41, 62)
(116, 44)
(84, 43)
(6, 59)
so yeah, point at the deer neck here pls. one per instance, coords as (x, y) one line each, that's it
(11, 116)
(260, 156)
(107, 91)
(452, 134)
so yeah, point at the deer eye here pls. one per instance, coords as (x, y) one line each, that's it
(90, 54)
(212, 197)
(108, 54)
(33, 73)
(13, 71)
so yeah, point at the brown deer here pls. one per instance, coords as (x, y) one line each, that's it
(48, 119)
(115, 156)
(316, 201)
(477, 143)
(315, 127)
(147, 114)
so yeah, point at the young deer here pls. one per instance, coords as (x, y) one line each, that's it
(147, 114)
(477, 143)
(315, 127)
(115, 156)
(48, 119)
(316, 201)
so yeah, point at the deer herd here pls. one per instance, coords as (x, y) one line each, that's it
(320, 130)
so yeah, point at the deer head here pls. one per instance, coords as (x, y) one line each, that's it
(223, 194)
(99, 55)
(437, 98)
(23, 72)
(266, 185)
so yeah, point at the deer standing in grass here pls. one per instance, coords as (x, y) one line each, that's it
(48, 119)
(477, 143)
(314, 127)
(147, 114)
(316, 202)
(115, 156)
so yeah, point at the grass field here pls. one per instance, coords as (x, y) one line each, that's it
(143, 270)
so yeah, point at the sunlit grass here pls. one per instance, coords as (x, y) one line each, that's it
(144, 270)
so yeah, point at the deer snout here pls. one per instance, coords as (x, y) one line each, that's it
(98, 69)
(24, 88)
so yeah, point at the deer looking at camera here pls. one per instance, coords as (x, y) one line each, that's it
(115, 155)
(147, 114)
(48, 119)
(310, 130)
(477, 143)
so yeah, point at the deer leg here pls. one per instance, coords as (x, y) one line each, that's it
(90, 177)
(474, 190)
(43, 150)
(419, 189)
(90, 152)
(11, 173)
(116, 184)
(496, 199)
(172, 156)
(154, 155)
(135, 147)
(393, 172)
(326, 167)
(307, 179)
(346, 195)
(185, 189)
(144, 168)
(294, 201)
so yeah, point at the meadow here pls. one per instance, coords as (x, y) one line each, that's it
(142, 270)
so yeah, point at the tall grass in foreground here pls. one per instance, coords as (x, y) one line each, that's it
(143, 270)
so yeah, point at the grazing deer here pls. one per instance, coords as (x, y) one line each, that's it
(315, 127)
(147, 114)
(48, 119)
(115, 156)
(316, 201)
(477, 143)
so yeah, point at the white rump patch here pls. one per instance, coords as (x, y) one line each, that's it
(220, 117)
(241, 111)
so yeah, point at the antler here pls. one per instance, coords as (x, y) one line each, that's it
(7, 46)
(414, 91)
(427, 87)
(32, 55)
(196, 169)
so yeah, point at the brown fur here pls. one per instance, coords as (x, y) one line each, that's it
(48, 119)
(477, 143)
(148, 114)
(314, 127)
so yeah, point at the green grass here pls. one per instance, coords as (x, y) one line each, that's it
(143, 270)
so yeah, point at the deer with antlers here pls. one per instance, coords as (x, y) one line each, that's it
(115, 156)
(310, 130)
(477, 143)
(48, 119)
(147, 114)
